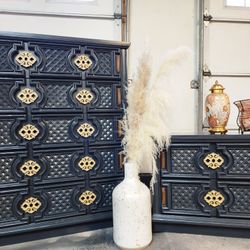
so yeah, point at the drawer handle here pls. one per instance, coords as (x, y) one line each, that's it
(87, 197)
(29, 132)
(27, 95)
(30, 168)
(214, 198)
(86, 163)
(31, 205)
(164, 196)
(25, 58)
(83, 62)
(213, 160)
(84, 96)
(118, 63)
(163, 159)
(85, 130)
(118, 97)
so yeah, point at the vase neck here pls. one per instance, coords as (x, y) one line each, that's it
(131, 171)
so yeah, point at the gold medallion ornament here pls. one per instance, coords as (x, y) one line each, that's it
(214, 198)
(83, 62)
(87, 197)
(86, 163)
(28, 132)
(25, 58)
(31, 205)
(30, 168)
(84, 96)
(213, 160)
(27, 95)
(85, 130)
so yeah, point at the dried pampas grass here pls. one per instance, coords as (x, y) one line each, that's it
(145, 123)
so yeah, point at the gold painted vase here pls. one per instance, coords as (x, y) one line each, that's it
(217, 107)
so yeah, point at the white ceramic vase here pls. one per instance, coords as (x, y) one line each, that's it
(132, 222)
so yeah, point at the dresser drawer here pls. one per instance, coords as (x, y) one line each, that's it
(58, 131)
(182, 197)
(59, 60)
(9, 208)
(11, 170)
(63, 200)
(70, 165)
(196, 161)
(237, 199)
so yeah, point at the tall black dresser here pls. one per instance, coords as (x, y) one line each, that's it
(60, 104)
(204, 185)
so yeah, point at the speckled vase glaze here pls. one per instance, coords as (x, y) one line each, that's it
(132, 222)
(217, 109)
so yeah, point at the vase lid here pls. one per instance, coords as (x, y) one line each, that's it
(217, 87)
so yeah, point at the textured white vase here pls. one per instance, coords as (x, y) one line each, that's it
(132, 222)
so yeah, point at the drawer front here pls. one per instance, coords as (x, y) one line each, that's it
(241, 160)
(182, 197)
(59, 60)
(11, 169)
(59, 95)
(237, 202)
(47, 131)
(9, 207)
(66, 165)
(195, 161)
(64, 200)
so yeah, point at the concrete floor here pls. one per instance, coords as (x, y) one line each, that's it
(102, 240)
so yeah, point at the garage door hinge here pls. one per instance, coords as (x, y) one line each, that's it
(207, 18)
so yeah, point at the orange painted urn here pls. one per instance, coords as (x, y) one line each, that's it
(217, 106)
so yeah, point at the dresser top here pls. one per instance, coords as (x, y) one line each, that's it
(62, 39)
(210, 138)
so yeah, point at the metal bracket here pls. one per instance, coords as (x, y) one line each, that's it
(194, 84)
(206, 71)
(207, 18)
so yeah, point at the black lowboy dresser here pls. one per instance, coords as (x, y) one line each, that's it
(204, 185)
(60, 104)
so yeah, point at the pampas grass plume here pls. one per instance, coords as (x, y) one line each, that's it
(145, 122)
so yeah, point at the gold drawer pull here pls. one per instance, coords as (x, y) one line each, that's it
(31, 205)
(27, 95)
(29, 132)
(25, 58)
(30, 168)
(84, 96)
(85, 130)
(213, 161)
(87, 197)
(214, 198)
(83, 62)
(86, 163)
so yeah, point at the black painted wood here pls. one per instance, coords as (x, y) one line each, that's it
(185, 179)
(57, 115)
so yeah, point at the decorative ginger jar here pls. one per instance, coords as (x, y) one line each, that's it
(217, 107)
(132, 222)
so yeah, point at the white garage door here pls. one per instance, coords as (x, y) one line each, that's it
(227, 50)
(99, 19)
